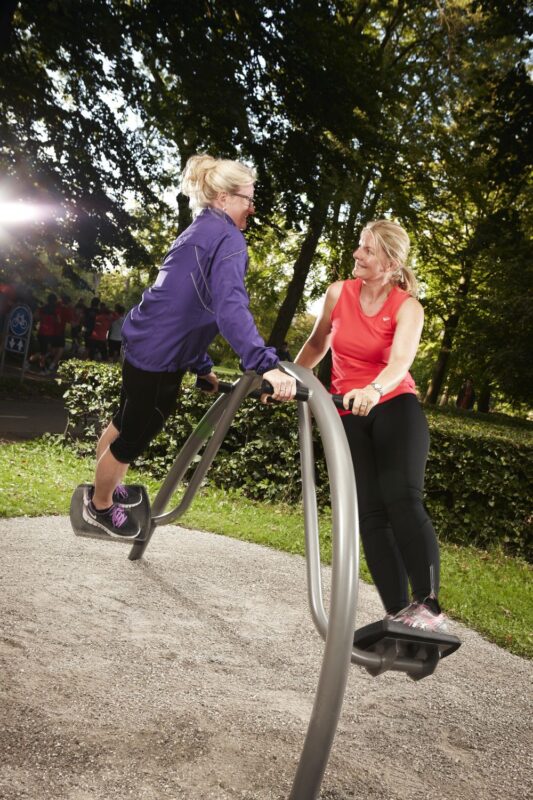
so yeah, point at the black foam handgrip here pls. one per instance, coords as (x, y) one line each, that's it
(302, 393)
(206, 386)
(337, 399)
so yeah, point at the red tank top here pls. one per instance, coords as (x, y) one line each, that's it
(47, 322)
(361, 345)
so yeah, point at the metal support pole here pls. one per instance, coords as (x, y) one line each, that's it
(344, 579)
(374, 662)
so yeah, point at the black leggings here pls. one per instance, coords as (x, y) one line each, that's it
(147, 399)
(389, 450)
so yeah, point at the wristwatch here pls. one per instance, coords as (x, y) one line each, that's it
(378, 387)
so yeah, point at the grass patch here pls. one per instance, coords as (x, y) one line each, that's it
(488, 591)
(491, 593)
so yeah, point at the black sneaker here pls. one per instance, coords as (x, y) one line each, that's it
(115, 521)
(127, 496)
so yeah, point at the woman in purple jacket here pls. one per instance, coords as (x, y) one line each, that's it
(198, 293)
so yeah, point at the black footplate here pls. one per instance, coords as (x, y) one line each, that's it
(140, 513)
(411, 650)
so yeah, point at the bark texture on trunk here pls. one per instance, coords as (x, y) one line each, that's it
(7, 12)
(451, 324)
(296, 286)
(483, 401)
(440, 370)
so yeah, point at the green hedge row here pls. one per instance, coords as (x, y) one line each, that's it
(478, 476)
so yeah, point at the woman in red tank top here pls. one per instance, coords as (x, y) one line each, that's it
(373, 325)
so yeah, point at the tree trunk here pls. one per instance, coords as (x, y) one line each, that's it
(324, 370)
(445, 396)
(450, 326)
(187, 149)
(349, 239)
(296, 286)
(348, 245)
(184, 213)
(7, 12)
(441, 366)
(483, 403)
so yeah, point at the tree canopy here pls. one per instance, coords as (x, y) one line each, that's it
(349, 110)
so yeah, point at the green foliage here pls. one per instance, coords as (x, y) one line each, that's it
(477, 479)
(124, 288)
(478, 483)
(420, 111)
(470, 210)
(68, 142)
(91, 398)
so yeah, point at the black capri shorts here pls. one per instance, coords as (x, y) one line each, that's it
(147, 399)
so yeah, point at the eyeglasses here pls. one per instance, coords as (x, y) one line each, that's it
(244, 197)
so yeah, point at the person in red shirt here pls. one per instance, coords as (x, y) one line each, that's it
(78, 316)
(88, 323)
(65, 315)
(373, 325)
(47, 325)
(114, 337)
(97, 342)
(8, 295)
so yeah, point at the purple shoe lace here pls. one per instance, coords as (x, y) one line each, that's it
(121, 491)
(118, 516)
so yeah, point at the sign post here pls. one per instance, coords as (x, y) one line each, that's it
(17, 335)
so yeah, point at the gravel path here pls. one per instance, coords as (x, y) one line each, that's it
(191, 675)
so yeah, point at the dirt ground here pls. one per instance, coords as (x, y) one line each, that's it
(191, 675)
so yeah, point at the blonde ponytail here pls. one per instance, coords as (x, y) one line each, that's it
(405, 278)
(204, 177)
(394, 242)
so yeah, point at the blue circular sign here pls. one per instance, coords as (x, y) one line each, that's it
(20, 321)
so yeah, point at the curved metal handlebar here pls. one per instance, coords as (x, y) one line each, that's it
(302, 392)
(224, 387)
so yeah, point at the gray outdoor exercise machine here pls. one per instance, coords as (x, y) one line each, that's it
(378, 647)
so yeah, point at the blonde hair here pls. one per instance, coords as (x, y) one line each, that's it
(204, 177)
(394, 242)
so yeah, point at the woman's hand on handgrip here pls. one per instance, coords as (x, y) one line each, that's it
(284, 385)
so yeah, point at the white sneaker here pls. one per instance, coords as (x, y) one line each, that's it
(421, 616)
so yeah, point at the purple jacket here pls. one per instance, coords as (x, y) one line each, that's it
(198, 293)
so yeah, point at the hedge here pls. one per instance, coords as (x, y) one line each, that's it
(477, 481)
